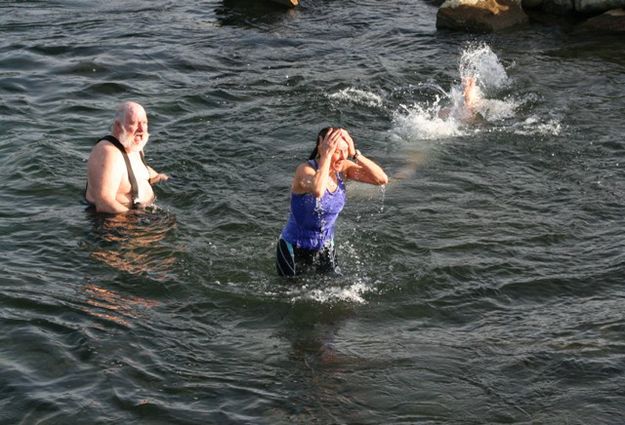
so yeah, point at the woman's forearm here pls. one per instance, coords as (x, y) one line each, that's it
(367, 171)
(321, 177)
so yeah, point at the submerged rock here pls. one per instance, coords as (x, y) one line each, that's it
(480, 15)
(597, 6)
(610, 21)
(558, 7)
(531, 4)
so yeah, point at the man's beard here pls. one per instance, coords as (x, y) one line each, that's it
(128, 141)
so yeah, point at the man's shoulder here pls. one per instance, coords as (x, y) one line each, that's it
(104, 149)
(105, 144)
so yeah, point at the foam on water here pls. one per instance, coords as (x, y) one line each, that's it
(534, 126)
(352, 293)
(358, 96)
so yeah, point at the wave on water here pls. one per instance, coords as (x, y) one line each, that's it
(358, 97)
(478, 103)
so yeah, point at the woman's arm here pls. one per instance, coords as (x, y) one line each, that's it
(365, 170)
(309, 180)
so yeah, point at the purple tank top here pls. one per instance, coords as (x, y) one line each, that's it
(311, 220)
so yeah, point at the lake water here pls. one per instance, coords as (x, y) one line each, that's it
(483, 284)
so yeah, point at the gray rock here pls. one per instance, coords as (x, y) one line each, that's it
(610, 21)
(480, 15)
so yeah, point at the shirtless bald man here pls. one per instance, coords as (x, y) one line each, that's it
(118, 179)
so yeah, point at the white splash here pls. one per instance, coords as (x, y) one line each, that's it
(481, 63)
(455, 113)
(329, 289)
(424, 122)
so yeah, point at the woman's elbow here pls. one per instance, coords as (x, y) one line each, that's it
(382, 180)
(317, 193)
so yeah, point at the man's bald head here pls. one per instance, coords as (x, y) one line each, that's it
(131, 126)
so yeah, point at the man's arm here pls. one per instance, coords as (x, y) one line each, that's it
(156, 177)
(106, 169)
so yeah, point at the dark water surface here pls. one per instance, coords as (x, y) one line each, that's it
(484, 284)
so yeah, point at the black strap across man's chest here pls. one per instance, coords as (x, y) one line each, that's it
(131, 175)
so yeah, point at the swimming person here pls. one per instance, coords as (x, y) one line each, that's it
(471, 94)
(118, 178)
(317, 198)
(464, 111)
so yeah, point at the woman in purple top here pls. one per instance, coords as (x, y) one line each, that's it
(317, 198)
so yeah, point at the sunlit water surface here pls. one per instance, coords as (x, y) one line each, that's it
(483, 284)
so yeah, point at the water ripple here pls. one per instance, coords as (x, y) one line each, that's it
(482, 285)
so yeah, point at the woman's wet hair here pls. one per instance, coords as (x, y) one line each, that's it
(320, 136)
